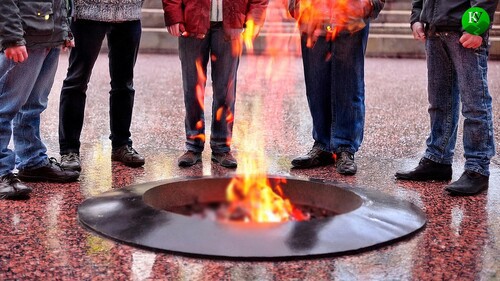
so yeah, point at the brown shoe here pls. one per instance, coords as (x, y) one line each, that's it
(225, 159)
(189, 158)
(128, 156)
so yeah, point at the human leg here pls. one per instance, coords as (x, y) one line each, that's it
(194, 54)
(348, 90)
(88, 40)
(317, 70)
(443, 113)
(16, 83)
(225, 54)
(123, 44)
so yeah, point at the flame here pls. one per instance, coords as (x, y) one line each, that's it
(250, 194)
(329, 18)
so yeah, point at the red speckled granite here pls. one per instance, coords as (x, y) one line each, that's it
(41, 238)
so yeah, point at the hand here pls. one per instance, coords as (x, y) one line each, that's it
(16, 53)
(471, 41)
(176, 30)
(418, 31)
(68, 44)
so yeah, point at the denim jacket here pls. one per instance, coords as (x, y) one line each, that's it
(35, 24)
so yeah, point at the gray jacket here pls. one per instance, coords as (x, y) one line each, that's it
(108, 10)
(35, 23)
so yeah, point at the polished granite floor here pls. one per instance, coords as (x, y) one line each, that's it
(42, 239)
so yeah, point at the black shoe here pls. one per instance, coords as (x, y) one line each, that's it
(316, 157)
(71, 161)
(469, 183)
(52, 172)
(427, 170)
(189, 158)
(128, 156)
(345, 163)
(225, 159)
(12, 187)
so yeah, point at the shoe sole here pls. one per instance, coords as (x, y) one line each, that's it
(299, 166)
(188, 164)
(46, 179)
(130, 164)
(232, 166)
(76, 169)
(399, 177)
(13, 195)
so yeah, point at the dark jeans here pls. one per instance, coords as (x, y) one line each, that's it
(335, 90)
(224, 54)
(123, 44)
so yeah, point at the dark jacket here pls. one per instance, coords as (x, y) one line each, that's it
(194, 15)
(447, 14)
(34, 23)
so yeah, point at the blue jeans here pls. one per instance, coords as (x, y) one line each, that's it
(224, 59)
(123, 44)
(457, 74)
(335, 90)
(24, 91)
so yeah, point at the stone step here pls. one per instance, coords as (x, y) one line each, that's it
(390, 34)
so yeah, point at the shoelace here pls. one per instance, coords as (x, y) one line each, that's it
(53, 161)
(70, 157)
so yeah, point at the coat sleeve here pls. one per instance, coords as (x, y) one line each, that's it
(416, 10)
(172, 12)
(257, 11)
(11, 27)
(377, 5)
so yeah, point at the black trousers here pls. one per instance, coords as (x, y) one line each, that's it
(123, 44)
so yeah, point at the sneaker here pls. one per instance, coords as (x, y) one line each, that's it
(469, 183)
(345, 163)
(189, 158)
(427, 170)
(225, 159)
(52, 172)
(316, 157)
(11, 187)
(128, 156)
(71, 161)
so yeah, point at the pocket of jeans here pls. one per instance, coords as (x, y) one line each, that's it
(37, 17)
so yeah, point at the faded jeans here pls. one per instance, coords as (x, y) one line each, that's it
(24, 90)
(459, 75)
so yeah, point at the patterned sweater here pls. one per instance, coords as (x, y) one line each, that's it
(108, 10)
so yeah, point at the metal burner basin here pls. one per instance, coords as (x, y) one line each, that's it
(138, 215)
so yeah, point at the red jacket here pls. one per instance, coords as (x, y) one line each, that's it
(194, 15)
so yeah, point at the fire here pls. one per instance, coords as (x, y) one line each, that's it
(250, 194)
(329, 18)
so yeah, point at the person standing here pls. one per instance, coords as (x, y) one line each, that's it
(333, 45)
(120, 22)
(211, 30)
(457, 73)
(31, 37)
